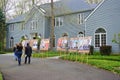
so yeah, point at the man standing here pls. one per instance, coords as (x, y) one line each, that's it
(28, 52)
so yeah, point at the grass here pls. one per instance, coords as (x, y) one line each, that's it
(46, 54)
(1, 78)
(111, 63)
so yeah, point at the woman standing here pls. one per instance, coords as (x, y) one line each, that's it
(19, 53)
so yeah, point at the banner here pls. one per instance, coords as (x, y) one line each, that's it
(24, 43)
(33, 44)
(62, 43)
(80, 44)
(45, 43)
(73, 44)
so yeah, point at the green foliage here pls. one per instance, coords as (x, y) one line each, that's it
(2, 52)
(45, 54)
(2, 29)
(8, 50)
(91, 50)
(1, 78)
(116, 38)
(22, 38)
(111, 63)
(96, 53)
(105, 50)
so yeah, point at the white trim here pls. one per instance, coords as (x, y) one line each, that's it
(39, 10)
(99, 35)
(94, 10)
(59, 20)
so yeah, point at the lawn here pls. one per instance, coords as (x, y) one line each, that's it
(111, 63)
(45, 54)
(1, 77)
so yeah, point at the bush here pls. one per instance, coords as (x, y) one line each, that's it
(2, 52)
(105, 50)
(8, 50)
(91, 50)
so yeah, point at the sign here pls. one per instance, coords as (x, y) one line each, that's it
(33, 44)
(73, 44)
(45, 43)
(80, 44)
(62, 43)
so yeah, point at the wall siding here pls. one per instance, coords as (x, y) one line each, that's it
(70, 26)
(106, 16)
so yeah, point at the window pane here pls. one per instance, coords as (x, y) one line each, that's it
(103, 39)
(100, 30)
(97, 41)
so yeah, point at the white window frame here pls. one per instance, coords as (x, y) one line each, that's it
(80, 18)
(58, 21)
(11, 43)
(34, 25)
(11, 27)
(100, 38)
(23, 27)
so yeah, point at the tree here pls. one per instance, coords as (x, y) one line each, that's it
(7, 6)
(116, 40)
(2, 29)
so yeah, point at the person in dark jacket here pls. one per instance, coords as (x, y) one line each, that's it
(19, 53)
(28, 52)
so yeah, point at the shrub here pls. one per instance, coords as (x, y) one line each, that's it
(91, 50)
(96, 53)
(8, 50)
(105, 50)
(2, 52)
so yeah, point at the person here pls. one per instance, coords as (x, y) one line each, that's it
(19, 53)
(15, 51)
(28, 52)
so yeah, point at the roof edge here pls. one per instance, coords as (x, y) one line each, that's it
(94, 10)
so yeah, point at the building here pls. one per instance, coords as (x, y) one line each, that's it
(73, 18)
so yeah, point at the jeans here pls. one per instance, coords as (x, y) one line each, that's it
(19, 54)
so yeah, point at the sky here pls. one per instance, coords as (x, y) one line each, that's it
(11, 12)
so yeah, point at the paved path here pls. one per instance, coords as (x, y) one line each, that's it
(51, 69)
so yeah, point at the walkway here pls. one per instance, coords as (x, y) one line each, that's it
(51, 69)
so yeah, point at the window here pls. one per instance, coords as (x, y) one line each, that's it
(11, 27)
(59, 21)
(11, 42)
(33, 35)
(80, 34)
(34, 25)
(64, 35)
(80, 18)
(100, 37)
(23, 26)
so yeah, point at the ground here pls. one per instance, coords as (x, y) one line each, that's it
(51, 69)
